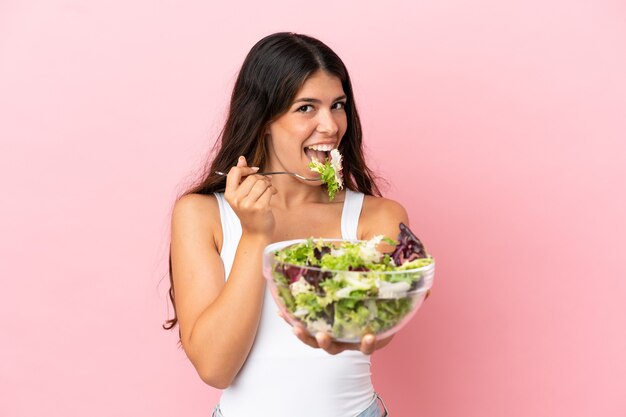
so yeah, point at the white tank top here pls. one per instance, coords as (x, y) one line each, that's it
(282, 376)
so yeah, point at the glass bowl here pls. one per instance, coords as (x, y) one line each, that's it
(303, 294)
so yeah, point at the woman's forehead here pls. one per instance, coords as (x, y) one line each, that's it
(321, 84)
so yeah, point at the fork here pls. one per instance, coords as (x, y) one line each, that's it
(278, 172)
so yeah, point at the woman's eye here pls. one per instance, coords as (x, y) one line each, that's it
(340, 105)
(305, 108)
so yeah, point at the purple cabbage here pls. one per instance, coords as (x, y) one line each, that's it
(291, 272)
(409, 247)
(312, 276)
(318, 253)
(358, 268)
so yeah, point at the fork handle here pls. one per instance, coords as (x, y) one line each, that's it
(256, 173)
(277, 172)
(260, 173)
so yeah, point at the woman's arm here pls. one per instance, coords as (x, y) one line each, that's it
(218, 320)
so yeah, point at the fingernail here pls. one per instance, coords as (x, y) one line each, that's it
(241, 158)
(255, 168)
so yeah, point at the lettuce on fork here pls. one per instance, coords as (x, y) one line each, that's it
(330, 172)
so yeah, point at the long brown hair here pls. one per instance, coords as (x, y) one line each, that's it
(271, 75)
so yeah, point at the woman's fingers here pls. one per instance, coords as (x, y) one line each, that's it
(242, 184)
(304, 336)
(248, 194)
(368, 344)
(233, 179)
(320, 341)
(323, 341)
(246, 186)
(264, 199)
(259, 187)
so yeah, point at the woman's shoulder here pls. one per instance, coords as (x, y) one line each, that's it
(376, 203)
(196, 205)
(381, 215)
(198, 212)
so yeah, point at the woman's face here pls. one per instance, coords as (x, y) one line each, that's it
(313, 124)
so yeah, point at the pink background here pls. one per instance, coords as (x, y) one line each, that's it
(500, 125)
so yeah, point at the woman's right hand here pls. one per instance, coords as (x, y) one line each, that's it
(250, 199)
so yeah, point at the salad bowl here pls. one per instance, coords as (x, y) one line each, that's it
(345, 288)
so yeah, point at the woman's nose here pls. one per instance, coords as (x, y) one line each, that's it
(327, 123)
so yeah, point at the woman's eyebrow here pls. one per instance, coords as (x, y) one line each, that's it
(314, 100)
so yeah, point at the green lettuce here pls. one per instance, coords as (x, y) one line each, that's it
(330, 172)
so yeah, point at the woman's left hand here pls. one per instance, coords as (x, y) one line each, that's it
(369, 342)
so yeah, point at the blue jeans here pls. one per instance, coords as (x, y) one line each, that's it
(375, 409)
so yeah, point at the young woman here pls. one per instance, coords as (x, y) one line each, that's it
(292, 100)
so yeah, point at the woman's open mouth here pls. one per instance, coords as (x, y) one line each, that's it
(319, 152)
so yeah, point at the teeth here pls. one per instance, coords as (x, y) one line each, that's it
(324, 148)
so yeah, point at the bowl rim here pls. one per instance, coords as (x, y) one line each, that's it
(273, 247)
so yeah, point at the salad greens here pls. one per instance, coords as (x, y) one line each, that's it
(350, 288)
(330, 171)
